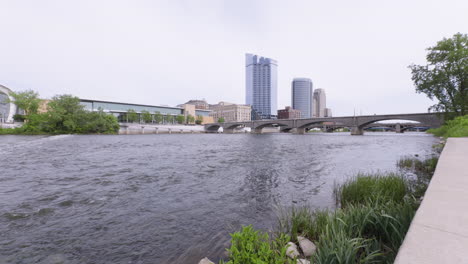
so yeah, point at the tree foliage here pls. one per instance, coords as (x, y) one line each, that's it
(199, 120)
(445, 77)
(146, 116)
(132, 116)
(158, 117)
(180, 119)
(27, 100)
(221, 120)
(66, 115)
(169, 118)
(190, 119)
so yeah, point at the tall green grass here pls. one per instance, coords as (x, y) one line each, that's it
(359, 233)
(370, 188)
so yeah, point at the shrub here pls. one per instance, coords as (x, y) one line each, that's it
(457, 127)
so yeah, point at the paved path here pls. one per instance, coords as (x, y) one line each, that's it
(439, 231)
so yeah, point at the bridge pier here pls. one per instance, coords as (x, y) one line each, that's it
(357, 131)
(398, 128)
(300, 131)
(256, 130)
(228, 131)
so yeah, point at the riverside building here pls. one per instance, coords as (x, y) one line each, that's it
(302, 96)
(261, 86)
(289, 113)
(7, 109)
(230, 112)
(120, 110)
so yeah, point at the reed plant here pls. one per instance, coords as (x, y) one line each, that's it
(371, 187)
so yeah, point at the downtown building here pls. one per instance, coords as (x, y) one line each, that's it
(230, 112)
(319, 103)
(302, 96)
(261, 86)
(289, 113)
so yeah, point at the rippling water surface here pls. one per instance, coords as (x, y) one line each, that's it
(169, 198)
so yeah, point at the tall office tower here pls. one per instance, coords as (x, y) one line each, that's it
(320, 103)
(302, 96)
(261, 86)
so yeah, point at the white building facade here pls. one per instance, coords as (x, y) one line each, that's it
(7, 109)
(230, 112)
(319, 103)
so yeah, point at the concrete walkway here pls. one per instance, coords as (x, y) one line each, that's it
(439, 231)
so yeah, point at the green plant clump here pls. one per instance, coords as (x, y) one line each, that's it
(375, 187)
(254, 247)
(457, 127)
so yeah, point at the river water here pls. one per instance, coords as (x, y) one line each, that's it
(169, 198)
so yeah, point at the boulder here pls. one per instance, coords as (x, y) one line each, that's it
(303, 261)
(307, 247)
(292, 251)
(205, 261)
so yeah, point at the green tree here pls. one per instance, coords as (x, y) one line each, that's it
(158, 117)
(132, 116)
(67, 115)
(445, 77)
(146, 116)
(221, 120)
(27, 100)
(199, 120)
(190, 119)
(169, 119)
(180, 119)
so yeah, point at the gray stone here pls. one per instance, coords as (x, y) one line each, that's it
(292, 251)
(303, 261)
(205, 261)
(307, 247)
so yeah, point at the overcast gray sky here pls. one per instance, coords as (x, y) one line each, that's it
(167, 52)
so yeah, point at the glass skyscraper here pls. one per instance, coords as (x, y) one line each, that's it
(261, 86)
(302, 96)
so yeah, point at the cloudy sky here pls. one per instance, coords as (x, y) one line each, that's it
(167, 52)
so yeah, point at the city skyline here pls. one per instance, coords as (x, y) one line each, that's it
(162, 52)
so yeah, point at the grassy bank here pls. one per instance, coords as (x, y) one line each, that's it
(457, 127)
(374, 212)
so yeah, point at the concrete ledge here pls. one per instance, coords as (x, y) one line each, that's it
(439, 231)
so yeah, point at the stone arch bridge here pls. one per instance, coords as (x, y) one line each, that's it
(355, 123)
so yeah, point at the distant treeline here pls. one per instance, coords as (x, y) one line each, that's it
(64, 115)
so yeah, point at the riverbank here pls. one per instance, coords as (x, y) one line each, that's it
(141, 129)
(373, 215)
(439, 231)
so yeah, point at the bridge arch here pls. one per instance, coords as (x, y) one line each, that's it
(333, 128)
(316, 123)
(212, 128)
(257, 128)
